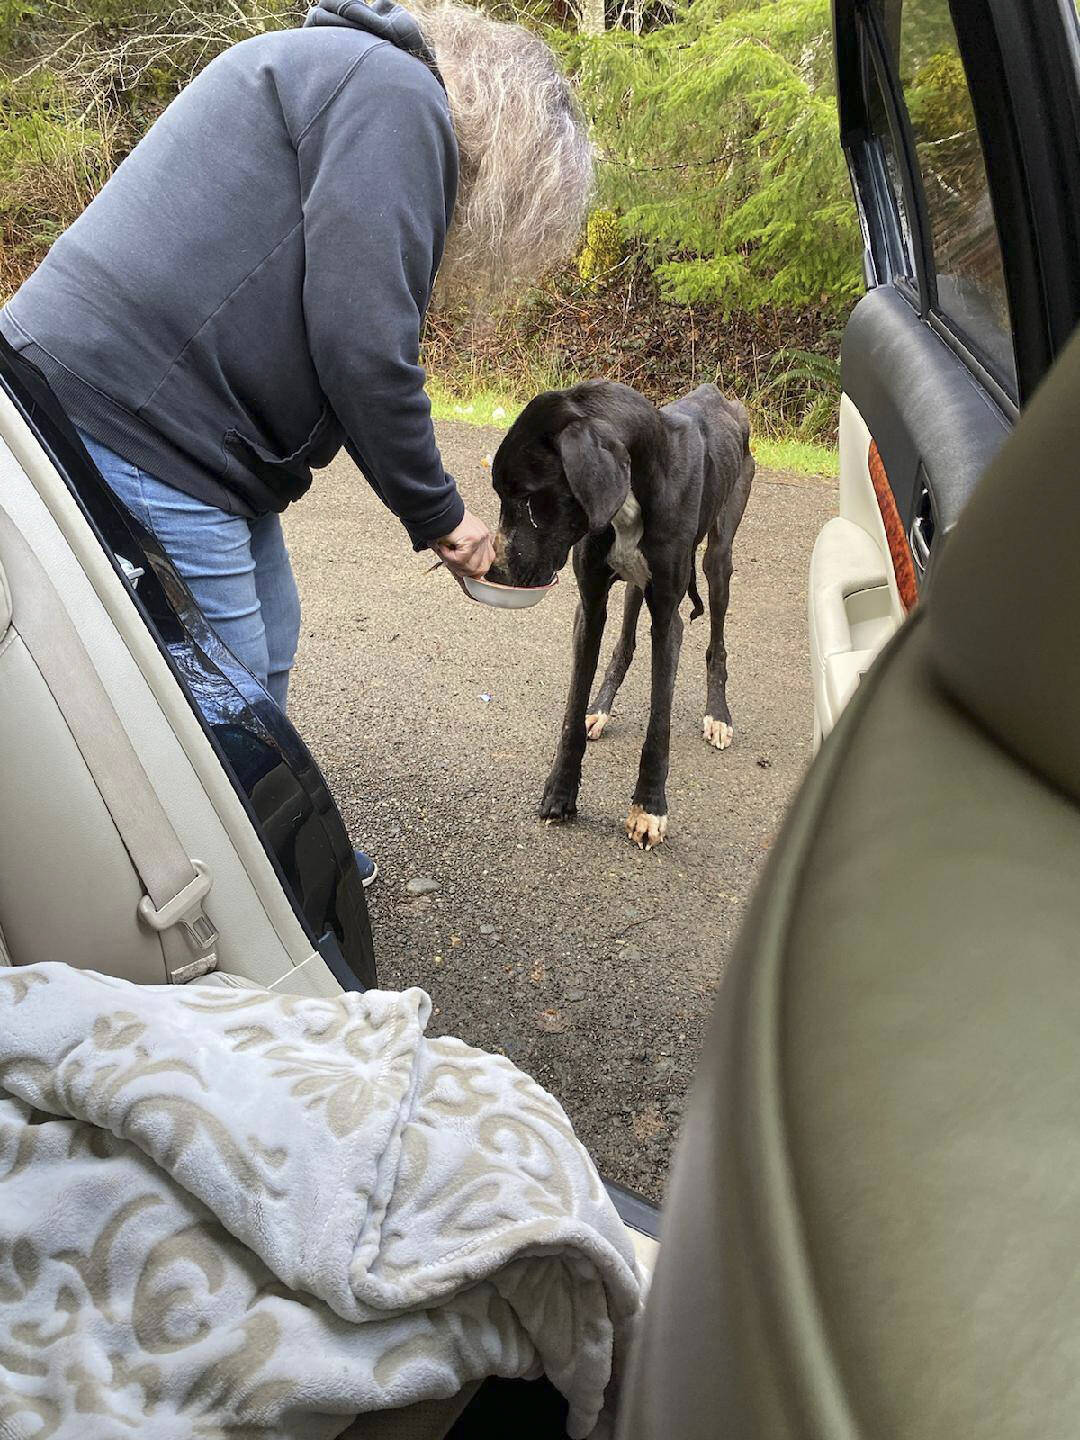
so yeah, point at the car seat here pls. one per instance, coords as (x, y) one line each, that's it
(874, 1213)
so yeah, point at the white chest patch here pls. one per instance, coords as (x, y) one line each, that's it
(625, 556)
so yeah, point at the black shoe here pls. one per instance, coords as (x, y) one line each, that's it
(368, 869)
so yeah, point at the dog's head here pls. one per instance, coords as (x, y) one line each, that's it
(560, 475)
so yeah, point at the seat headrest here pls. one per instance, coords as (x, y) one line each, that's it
(1003, 611)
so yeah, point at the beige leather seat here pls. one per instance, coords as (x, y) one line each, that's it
(874, 1218)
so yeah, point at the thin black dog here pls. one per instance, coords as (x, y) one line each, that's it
(633, 490)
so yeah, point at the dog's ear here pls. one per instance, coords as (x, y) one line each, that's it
(597, 468)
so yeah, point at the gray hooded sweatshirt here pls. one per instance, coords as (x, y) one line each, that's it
(246, 294)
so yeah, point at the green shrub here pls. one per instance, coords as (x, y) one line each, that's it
(80, 83)
(602, 249)
(721, 152)
(51, 166)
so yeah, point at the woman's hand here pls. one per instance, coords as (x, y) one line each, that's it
(468, 550)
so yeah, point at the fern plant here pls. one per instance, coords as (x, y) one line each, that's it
(801, 389)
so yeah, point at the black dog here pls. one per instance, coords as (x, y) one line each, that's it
(633, 490)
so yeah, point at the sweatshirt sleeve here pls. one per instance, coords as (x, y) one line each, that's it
(378, 176)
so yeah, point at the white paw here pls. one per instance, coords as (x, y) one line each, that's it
(594, 724)
(644, 830)
(716, 733)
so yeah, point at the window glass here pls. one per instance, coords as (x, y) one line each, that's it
(879, 123)
(967, 256)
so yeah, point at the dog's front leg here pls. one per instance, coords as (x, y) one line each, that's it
(647, 823)
(620, 664)
(561, 790)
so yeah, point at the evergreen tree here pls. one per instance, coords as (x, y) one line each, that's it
(719, 135)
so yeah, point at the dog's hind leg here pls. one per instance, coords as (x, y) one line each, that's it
(600, 712)
(717, 729)
(647, 823)
(560, 793)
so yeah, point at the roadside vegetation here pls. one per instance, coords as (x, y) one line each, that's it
(723, 245)
(494, 410)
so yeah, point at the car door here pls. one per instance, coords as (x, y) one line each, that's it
(160, 818)
(959, 123)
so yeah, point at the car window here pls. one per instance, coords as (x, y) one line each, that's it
(967, 257)
(878, 118)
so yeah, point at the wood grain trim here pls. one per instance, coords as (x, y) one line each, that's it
(899, 549)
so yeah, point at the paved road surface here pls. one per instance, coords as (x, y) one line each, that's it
(589, 963)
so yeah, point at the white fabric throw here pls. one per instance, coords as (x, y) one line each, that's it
(229, 1212)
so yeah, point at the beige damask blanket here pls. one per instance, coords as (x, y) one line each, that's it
(230, 1213)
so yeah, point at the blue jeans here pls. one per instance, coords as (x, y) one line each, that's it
(238, 570)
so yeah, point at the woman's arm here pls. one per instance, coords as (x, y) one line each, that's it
(378, 171)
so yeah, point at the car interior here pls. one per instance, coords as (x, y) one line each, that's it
(970, 261)
(871, 1221)
(872, 1212)
(91, 711)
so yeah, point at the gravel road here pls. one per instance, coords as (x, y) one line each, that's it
(589, 963)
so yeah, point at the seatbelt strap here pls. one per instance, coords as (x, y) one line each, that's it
(175, 885)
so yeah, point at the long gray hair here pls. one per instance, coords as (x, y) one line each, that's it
(526, 159)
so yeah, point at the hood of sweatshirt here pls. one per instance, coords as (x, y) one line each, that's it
(383, 18)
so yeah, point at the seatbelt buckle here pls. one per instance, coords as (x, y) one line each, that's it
(132, 573)
(185, 911)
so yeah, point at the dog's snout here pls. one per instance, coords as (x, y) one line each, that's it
(524, 558)
(500, 572)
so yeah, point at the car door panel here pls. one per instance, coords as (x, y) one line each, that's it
(240, 789)
(854, 602)
(916, 432)
(933, 424)
(964, 311)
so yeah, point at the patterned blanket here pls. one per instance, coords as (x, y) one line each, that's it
(232, 1213)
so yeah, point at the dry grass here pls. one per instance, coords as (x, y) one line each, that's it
(79, 84)
(107, 48)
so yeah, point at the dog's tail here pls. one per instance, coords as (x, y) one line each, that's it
(699, 608)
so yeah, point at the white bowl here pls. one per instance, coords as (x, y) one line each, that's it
(508, 597)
